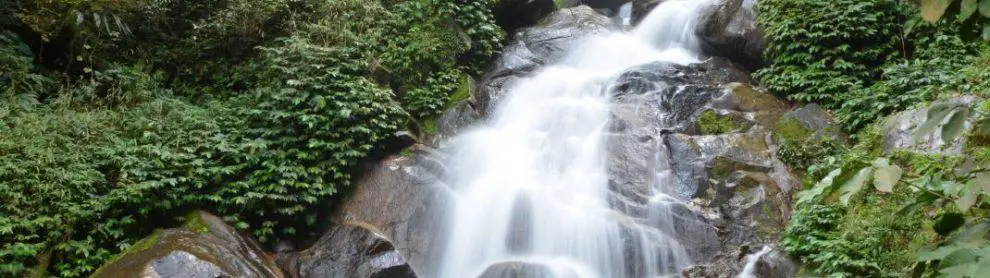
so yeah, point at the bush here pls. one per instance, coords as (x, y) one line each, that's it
(821, 56)
(186, 112)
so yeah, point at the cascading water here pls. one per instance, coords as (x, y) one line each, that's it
(531, 185)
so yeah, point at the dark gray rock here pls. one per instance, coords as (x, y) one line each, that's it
(459, 117)
(518, 270)
(515, 14)
(352, 251)
(400, 200)
(775, 264)
(205, 247)
(818, 122)
(534, 47)
(899, 131)
(729, 29)
(731, 191)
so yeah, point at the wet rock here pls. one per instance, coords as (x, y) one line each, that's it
(775, 264)
(819, 124)
(533, 47)
(352, 251)
(728, 190)
(519, 270)
(515, 14)
(205, 247)
(456, 118)
(729, 29)
(608, 4)
(398, 200)
(899, 131)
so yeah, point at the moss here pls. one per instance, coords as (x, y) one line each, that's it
(137, 247)
(429, 126)
(789, 129)
(558, 4)
(195, 223)
(710, 123)
(463, 91)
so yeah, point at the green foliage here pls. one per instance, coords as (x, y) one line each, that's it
(429, 100)
(863, 59)
(910, 186)
(799, 149)
(257, 111)
(934, 10)
(20, 83)
(824, 55)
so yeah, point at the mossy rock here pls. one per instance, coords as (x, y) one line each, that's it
(204, 246)
(711, 123)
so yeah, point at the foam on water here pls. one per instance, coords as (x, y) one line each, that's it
(531, 184)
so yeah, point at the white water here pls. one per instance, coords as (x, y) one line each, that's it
(749, 271)
(531, 185)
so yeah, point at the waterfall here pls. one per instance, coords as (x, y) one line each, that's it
(530, 185)
(749, 271)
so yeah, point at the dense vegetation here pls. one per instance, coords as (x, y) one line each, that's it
(926, 214)
(115, 114)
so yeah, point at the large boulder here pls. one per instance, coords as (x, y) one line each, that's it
(347, 251)
(519, 270)
(729, 29)
(537, 46)
(205, 247)
(388, 226)
(399, 200)
(900, 129)
(816, 122)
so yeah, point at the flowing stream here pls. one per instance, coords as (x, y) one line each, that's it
(531, 186)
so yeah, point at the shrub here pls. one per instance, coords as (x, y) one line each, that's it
(821, 56)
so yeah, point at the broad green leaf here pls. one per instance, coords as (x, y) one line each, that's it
(967, 197)
(954, 126)
(966, 9)
(937, 254)
(886, 175)
(820, 188)
(932, 10)
(984, 8)
(854, 185)
(986, 34)
(960, 271)
(962, 256)
(975, 233)
(952, 187)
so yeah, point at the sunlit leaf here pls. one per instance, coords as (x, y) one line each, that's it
(854, 185)
(984, 8)
(937, 254)
(966, 9)
(820, 188)
(932, 10)
(886, 175)
(967, 197)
